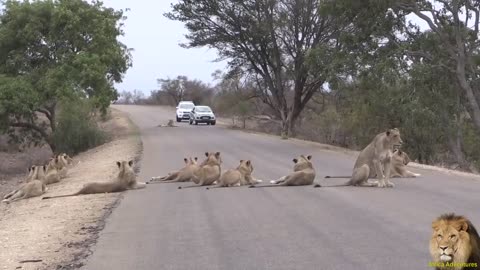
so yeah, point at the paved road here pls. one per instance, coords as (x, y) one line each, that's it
(162, 227)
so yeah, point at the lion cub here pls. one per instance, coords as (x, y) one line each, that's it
(400, 160)
(303, 174)
(126, 179)
(183, 175)
(209, 171)
(242, 175)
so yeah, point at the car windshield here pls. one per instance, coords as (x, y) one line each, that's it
(186, 106)
(203, 109)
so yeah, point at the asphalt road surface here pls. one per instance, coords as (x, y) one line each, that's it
(162, 227)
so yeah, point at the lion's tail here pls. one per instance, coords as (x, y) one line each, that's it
(328, 176)
(60, 196)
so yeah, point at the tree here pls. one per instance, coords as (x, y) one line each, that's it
(126, 97)
(182, 88)
(56, 50)
(271, 40)
(455, 24)
(174, 87)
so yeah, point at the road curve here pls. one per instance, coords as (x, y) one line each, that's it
(162, 227)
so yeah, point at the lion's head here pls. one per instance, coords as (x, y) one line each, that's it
(454, 239)
(393, 137)
(245, 167)
(399, 157)
(213, 158)
(190, 161)
(302, 163)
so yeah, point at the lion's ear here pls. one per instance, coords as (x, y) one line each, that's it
(206, 154)
(248, 162)
(196, 158)
(399, 151)
(461, 225)
(435, 225)
(309, 157)
(388, 132)
(295, 160)
(185, 160)
(119, 164)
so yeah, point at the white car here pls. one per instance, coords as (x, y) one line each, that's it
(202, 114)
(183, 110)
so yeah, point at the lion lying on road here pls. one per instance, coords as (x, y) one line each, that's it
(209, 171)
(303, 174)
(454, 241)
(126, 179)
(242, 175)
(185, 174)
(400, 160)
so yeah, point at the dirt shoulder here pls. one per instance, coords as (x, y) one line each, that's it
(60, 232)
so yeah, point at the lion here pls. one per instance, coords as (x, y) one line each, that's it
(455, 243)
(303, 174)
(242, 175)
(377, 156)
(400, 160)
(36, 173)
(183, 175)
(51, 173)
(125, 180)
(169, 124)
(209, 171)
(31, 189)
(64, 161)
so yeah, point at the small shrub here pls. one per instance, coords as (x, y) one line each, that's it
(77, 130)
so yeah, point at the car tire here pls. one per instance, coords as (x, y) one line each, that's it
(196, 123)
(190, 121)
(213, 123)
(178, 119)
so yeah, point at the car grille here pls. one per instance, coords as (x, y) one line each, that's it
(205, 117)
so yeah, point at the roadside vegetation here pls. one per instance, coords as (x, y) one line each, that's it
(339, 72)
(59, 61)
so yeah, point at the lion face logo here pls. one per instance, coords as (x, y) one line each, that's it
(451, 239)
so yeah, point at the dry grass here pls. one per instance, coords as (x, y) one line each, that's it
(59, 231)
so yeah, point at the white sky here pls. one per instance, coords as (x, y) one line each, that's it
(155, 40)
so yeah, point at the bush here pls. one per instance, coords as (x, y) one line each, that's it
(77, 129)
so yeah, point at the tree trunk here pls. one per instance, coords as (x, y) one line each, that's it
(456, 146)
(467, 88)
(53, 147)
(454, 142)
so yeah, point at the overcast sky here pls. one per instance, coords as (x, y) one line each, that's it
(155, 40)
